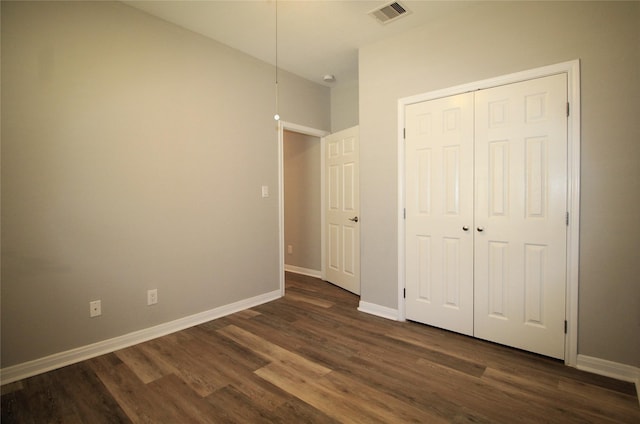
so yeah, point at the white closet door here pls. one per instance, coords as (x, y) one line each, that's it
(520, 213)
(439, 213)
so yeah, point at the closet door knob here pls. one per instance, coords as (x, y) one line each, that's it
(480, 229)
(465, 228)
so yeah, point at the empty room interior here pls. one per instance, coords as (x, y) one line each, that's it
(320, 211)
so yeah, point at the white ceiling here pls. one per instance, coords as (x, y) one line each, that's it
(315, 37)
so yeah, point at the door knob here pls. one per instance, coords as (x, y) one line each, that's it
(354, 219)
(465, 228)
(480, 229)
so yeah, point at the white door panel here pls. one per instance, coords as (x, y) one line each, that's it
(439, 206)
(521, 174)
(342, 231)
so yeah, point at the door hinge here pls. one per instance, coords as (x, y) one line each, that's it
(404, 133)
(565, 326)
(567, 219)
(404, 213)
(568, 109)
(404, 293)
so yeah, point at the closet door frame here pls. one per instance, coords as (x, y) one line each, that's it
(572, 70)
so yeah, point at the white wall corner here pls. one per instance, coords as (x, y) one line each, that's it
(61, 359)
(377, 310)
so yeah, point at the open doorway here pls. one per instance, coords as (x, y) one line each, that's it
(301, 205)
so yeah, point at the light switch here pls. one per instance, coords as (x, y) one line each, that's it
(265, 191)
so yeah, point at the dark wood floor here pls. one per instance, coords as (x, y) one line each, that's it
(311, 357)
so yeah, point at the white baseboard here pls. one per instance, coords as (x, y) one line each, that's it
(303, 271)
(61, 359)
(610, 369)
(377, 310)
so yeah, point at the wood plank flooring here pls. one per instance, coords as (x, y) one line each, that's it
(311, 357)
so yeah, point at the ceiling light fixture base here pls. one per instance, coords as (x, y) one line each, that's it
(329, 78)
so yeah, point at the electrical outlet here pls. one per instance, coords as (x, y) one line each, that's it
(95, 308)
(290, 249)
(152, 297)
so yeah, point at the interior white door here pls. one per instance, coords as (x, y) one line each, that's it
(520, 213)
(439, 212)
(342, 206)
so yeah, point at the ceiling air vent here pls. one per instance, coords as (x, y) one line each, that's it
(389, 12)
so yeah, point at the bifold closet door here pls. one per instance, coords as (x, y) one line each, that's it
(520, 214)
(486, 202)
(439, 212)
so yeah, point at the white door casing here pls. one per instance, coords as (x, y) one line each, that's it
(342, 208)
(520, 212)
(521, 176)
(439, 212)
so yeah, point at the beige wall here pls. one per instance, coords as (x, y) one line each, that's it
(302, 224)
(133, 155)
(344, 105)
(491, 39)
